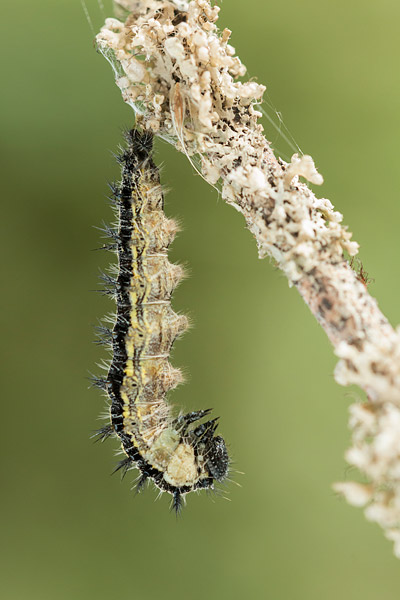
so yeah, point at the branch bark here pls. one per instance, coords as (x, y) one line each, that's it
(180, 75)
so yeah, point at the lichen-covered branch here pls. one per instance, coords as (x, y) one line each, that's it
(180, 75)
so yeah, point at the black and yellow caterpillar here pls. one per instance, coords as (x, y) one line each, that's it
(173, 452)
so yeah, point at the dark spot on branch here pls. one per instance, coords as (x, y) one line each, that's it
(327, 303)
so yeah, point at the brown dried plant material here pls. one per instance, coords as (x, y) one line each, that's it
(180, 75)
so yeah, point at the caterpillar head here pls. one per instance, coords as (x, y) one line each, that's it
(210, 449)
(217, 459)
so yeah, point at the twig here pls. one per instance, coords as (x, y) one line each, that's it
(180, 75)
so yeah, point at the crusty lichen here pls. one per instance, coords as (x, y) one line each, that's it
(180, 75)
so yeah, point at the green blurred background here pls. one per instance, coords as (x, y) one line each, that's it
(69, 530)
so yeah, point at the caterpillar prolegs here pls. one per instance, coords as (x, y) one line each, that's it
(176, 453)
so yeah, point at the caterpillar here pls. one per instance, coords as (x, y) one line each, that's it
(177, 453)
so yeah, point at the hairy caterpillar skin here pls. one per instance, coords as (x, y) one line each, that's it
(178, 456)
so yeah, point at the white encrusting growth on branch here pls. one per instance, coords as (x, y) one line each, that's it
(180, 75)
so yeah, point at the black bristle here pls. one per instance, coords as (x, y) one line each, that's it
(109, 232)
(176, 502)
(103, 434)
(141, 483)
(104, 335)
(121, 158)
(113, 247)
(99, 382)
(123, 466)
(108, 280)
(103, 331)
(183, 422)
(115, 190)
(111, 285)
(105, 342)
